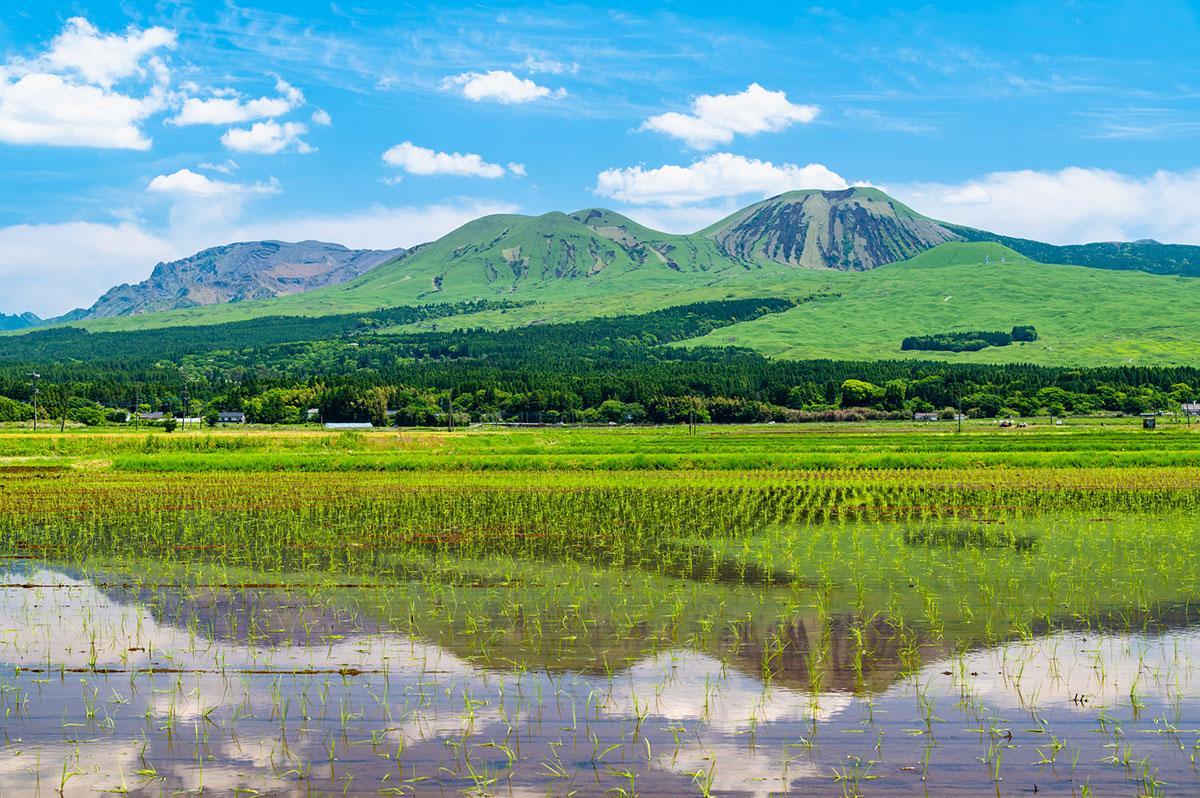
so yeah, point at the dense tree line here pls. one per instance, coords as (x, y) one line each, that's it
(967, 341)
(614, 369)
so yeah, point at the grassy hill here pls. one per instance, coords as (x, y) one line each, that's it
(1083, 316)
(595, 261)
(560, 268)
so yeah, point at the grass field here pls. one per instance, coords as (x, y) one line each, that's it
(1080, 443)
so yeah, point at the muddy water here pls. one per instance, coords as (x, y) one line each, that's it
(101, 691)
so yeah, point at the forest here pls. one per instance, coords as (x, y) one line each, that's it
(622, 369)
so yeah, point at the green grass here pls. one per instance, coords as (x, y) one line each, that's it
(732, 450)
(1083, 316)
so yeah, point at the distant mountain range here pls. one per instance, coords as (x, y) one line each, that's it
(595, 262)
(18, 321)
(235, 273)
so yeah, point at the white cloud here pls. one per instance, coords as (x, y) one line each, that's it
(321, 117)
(65, 97)
(226, 168)
(82, 260)
(501, 86)
(718, 175)
(535, 65)
(422, 161)
(226, 108)
(267, 138)
(99, 58)
(517, 168)
(186, 183)
(47, 109)
(51, 268)
(682, 219)
(374, 227)
(715, 118)
(1072, 205)
(199, 202)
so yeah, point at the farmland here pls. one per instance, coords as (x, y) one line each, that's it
(829, 610)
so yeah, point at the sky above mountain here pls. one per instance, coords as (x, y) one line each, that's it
(135, 132)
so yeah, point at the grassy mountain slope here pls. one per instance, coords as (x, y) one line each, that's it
(1083, 316)
(598, 258)
(591, 260)
(1147, 256)
(594, 262)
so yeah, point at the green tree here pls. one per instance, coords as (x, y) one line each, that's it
(857, 393)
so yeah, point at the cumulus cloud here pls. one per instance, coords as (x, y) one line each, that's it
(1071, 205)
(321, 117)
(422, 161)
(716, 118)
(199, 202)
(227, 107)
(499, 85)
(103, 58)
(267, 138)
(65, 96)
(82, 260)
(186, 183)
(718, 175)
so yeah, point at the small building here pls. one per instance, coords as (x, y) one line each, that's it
(231, 417)
(1149, 420)
(925, 416)
(150, 416)
(350, 425)
(1191, 408)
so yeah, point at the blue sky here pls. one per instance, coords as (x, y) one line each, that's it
(136, 132)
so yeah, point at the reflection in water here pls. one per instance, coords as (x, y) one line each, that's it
(154, 690)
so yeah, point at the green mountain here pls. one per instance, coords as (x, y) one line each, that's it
(595, 261)
(1147, 256)
(852, 230)
(866, 270)
(1083, 316)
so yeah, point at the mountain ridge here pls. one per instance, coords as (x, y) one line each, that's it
(237, 272)
(18, 321)
(596, 260)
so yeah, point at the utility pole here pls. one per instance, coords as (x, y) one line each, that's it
(66, 402)
(450, 411)
(958, 414)
(186, 407)
(35, 377)
(137, 403)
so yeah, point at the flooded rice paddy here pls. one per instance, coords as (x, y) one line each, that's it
(853, 634)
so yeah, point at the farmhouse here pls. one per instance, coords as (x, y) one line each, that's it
(231, 417)
(925, 416)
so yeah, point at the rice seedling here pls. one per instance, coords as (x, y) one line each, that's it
(600, 630)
